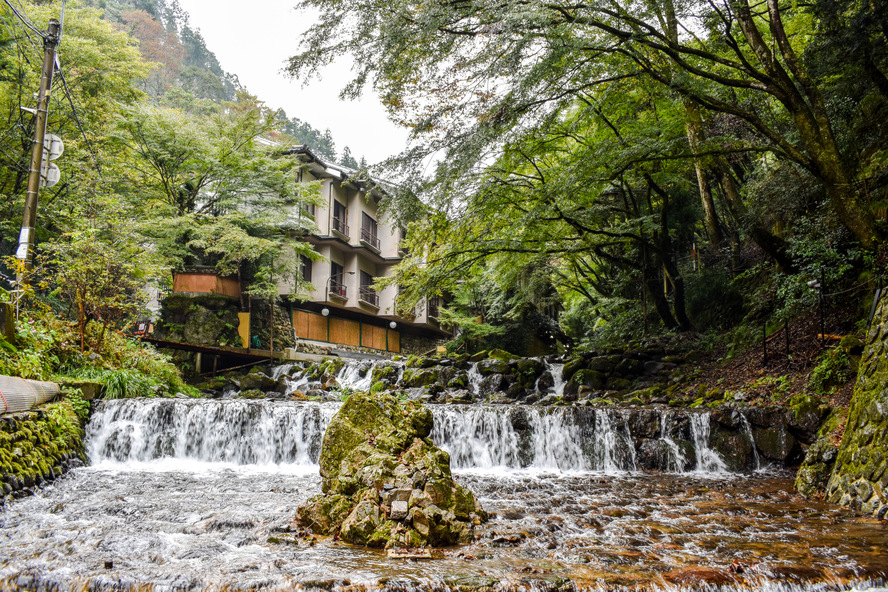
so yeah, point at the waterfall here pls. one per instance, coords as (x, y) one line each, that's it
(556, 370)
(677, 460)
(747, 431)
(476, 437)
(708, 460)
(245, 432)
(356, 376)
(614, 450)
(557, 441)
(237, 432)
(475, 378)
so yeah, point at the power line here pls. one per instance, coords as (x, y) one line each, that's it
(25, 21)
(74, 113)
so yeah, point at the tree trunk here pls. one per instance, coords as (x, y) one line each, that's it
(696, 138)
(770, 243)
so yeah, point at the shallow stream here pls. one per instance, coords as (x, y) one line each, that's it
(187, 495)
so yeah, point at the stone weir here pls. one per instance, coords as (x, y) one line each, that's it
(479, 436)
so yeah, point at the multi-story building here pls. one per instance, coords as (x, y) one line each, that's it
(357, 243)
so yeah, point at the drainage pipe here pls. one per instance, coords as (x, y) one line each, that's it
(20, 394)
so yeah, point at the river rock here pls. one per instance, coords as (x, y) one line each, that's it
(384, 483)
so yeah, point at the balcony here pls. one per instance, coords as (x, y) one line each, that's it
(369, 296)
(369, 238)
(432, 309)
(338, 289)
(340, 226)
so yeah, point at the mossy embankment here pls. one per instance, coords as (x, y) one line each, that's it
(40, 445)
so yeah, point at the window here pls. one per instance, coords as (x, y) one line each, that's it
(434, 304)
(340, 214)
(305, 267)
(368, 294)
(368, 231)
(337, 288)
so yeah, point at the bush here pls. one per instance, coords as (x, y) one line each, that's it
(712, 300)
(833, 369)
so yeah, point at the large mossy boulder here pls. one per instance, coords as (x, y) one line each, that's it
(384, 483)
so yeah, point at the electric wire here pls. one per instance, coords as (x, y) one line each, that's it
(25, 21)
(75, 115)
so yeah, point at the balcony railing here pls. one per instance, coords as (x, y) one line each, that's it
(340, 226)
(370, 296)
(370, 238)
(433, 308)
(338, 289)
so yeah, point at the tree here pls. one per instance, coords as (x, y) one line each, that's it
(99, 69)
(465, 75)
(599, 204)
(101, 276)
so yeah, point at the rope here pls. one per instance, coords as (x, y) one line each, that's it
(5, 404)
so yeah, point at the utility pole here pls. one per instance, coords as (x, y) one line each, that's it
(29, 219)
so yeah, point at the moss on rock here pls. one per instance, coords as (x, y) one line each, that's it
(39, 445)
(859, 478)
(385, 484)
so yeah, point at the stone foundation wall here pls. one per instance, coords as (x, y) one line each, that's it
(37, 446)
(860, 478)
(414, 345)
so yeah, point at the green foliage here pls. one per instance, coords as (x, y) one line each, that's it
(65, 423)
(833, 369)
(713, 301)
(78, 404)
(344, 393)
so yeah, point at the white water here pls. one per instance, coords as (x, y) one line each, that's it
(356, 376)
(277, 434)
(677, 460)
(188, 495)
(556, 370)
(237, 432)
(708, 460)
(475, 378)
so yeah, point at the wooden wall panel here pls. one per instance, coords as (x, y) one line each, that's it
(373, 337)
(345, 332)
(314, 326)
(394, 341)
(300, 322)
(317, 327)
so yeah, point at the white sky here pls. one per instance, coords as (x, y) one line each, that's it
(254, 41)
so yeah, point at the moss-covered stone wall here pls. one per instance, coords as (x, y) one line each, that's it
(860, 477)
(37, 446)
(206, 319)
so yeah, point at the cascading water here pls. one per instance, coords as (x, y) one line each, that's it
(356, 376)
(475, 378)
(747, 431)
(708, 460)
(556, 371)
(475, 437)
(237, 432)
(677, 460)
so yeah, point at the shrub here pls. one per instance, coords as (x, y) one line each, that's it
(833, 369)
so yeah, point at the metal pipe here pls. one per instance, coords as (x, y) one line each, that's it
(20, 394)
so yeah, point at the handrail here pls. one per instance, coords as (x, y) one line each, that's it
(368, 237)
(337, 288)
(370, 296)
(339, 225)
